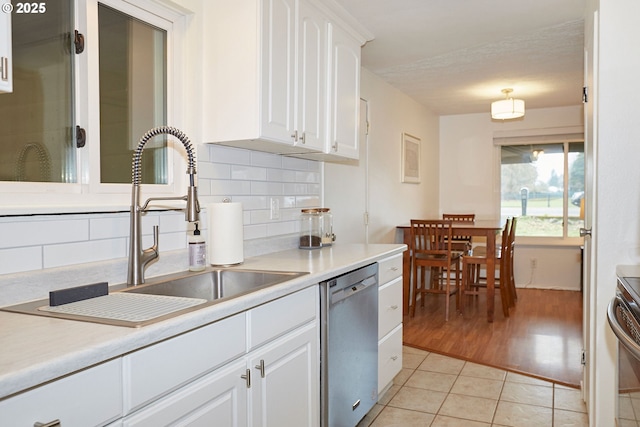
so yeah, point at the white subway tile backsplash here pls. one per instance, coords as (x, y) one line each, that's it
(20, 259)
(255, 231)
(233, 156)
(274, 188)
(31, 243)
(230, 187)
(115, 225)
(266, 160)
(47, 231)
(82, 252)
(249, 173)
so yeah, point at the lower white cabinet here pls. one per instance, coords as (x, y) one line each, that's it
(259, 367)
(389, 321)
(285, 383)
(92, 397)
(274, 384)
(217, 399)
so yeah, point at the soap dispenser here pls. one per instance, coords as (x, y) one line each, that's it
(197, 251)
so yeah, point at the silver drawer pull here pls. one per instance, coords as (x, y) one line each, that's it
(247, 377)
(394, 358)
(4, 68)
(394, 269)
(260, 367)
(54, 423)
(394, 307)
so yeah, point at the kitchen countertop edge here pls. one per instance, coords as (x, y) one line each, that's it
(40, 349)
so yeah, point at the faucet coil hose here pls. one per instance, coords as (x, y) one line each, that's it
(136, 169)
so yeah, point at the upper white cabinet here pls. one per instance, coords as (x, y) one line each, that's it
(6, 69)
(270, 77)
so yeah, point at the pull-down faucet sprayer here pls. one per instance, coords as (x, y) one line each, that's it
(138, 257)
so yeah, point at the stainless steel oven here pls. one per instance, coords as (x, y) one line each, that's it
(624, 318)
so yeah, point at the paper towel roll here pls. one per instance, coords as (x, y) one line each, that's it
(226, 238)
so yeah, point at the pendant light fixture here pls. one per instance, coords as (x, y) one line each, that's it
(507, 108)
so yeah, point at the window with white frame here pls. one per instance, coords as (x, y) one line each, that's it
(543, 184)
(90, 77)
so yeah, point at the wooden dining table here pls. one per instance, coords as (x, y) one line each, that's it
(483, 228)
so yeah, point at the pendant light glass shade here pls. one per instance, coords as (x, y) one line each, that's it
(508, 108)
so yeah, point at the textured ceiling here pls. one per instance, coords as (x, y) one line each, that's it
(455, 56)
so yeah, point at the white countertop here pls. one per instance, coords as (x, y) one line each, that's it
(38, 349)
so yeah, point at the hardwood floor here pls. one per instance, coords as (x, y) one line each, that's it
(542, 337)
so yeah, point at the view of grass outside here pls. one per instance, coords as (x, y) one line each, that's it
(534, 188)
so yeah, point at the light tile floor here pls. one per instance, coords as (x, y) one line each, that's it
(439, 391)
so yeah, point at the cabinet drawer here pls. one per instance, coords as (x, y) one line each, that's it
(92, 397)
(389, 269)
(161, 368)
(282, 315)
(389, 307)
(389, 358)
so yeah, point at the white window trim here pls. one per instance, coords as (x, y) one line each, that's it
(88, 194)
(528, 137)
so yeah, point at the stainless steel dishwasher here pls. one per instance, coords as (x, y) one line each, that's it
(349, 346)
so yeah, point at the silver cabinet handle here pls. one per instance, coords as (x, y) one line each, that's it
(585, 232)
(302, 138)
(247, 377)
(295, 135)
(394, 358)
(394, 307)
(394, 269)
(54, 423)
(335, 146)
(4, 68)
(260, 367)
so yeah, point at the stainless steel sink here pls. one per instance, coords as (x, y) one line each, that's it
(212, 286)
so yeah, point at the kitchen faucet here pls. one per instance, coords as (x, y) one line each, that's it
(138, 257)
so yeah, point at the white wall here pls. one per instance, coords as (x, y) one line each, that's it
(616, 220)
(470, 182)
(392, 202)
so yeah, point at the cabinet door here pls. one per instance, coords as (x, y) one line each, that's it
(6, 69)
(218, 399)
(311, 84)
(92, 397)
(278, 69)
(345, 93)
(285, 384)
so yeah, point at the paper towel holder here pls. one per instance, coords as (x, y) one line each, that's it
(226, 248)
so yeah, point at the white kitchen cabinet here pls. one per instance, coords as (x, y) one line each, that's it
(389, 321)
(344, 96)
(181, 381)
(6, 68)
(268, 78)
(219, 399)
(161, 368)
(285, 380)
(267, 86)
(92, 397)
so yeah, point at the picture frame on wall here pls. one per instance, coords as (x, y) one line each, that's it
(410, 159)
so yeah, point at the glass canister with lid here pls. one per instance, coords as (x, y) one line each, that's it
(310, 229)
(327, 227)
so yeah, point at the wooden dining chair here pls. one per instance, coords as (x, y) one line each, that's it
(460, 243)
(471, 280)
(431, 253)
(510, 254)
